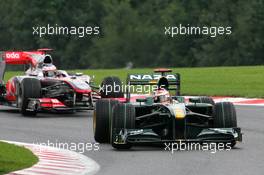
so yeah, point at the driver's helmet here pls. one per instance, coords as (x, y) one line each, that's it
(49, 70)
(162, 96)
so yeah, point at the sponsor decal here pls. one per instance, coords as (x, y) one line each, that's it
(152, 77)
(12, 55)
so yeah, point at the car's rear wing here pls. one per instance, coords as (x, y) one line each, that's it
(18, 58)
(173, 79)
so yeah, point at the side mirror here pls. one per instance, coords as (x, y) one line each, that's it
(180, 99)
(147, 101)
(194, 100)
(141, 100)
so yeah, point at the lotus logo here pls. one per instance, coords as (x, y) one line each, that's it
(12, 55)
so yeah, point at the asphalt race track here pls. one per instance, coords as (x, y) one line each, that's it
(247, 158)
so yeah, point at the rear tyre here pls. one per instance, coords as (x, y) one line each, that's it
(102, 119)
(111, 88)
(124, 117)
(29, 88)
(225, 116)
(207, 100)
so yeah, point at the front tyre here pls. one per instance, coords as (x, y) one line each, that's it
(225, 117)
(102, 119)
(29, 88)
(124, 117)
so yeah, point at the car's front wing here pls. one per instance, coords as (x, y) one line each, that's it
(53, 104)
(216, 135)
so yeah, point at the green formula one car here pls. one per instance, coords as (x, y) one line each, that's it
(161, 118)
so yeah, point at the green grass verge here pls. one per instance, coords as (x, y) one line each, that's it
(245, 81)
(14, 158)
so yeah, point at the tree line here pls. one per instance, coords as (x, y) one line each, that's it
(133, 31)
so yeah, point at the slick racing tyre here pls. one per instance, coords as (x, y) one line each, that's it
(207, 100)
(29, 88)
(102, 119)
(225, 117)
(111, 87)
(123, 118)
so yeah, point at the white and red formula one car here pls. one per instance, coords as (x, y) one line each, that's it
(43, 87)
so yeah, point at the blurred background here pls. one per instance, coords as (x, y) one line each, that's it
(132, 32)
